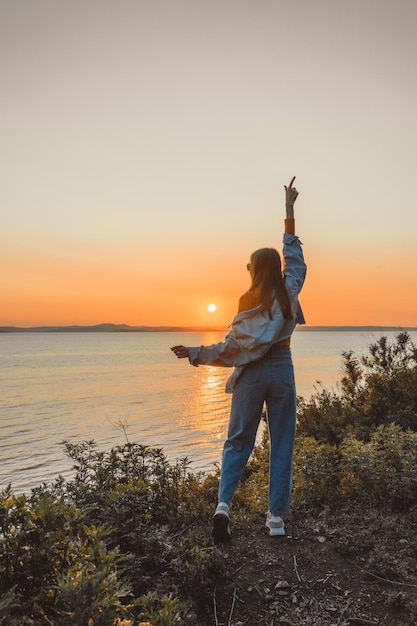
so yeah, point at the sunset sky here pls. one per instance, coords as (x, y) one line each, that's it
(145, 145)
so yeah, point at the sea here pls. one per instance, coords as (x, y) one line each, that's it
(113, 387)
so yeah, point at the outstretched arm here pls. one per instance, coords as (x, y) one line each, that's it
(291, 194)
(295, 267)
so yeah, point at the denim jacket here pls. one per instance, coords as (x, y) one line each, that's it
(253, 332)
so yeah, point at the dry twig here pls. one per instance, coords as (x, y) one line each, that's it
(296, 568)
(384, 580)
(215, 607)
(238, 569)
(233, 606)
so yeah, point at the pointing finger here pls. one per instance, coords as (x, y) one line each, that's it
(290, 185)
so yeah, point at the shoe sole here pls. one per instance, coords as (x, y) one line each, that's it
(276, 531)
(221, 530)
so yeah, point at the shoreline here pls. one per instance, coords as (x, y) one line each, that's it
(125, 328)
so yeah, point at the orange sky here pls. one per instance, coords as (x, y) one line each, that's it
(135, 290)
(145, 148)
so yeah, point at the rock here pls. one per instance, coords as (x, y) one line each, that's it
(283, 588)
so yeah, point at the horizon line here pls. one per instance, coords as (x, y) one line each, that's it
(110, 327)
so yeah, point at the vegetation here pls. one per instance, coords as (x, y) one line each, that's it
(376, 390)
(126, 541)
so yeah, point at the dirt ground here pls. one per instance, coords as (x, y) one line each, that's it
(305, 579)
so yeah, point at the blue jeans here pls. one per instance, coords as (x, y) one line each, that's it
(269, 380)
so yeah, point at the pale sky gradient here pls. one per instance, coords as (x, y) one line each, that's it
(145, 145)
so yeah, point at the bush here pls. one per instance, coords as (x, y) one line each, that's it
(315, 478)
(54, 567)
(371, 469)
(380, 388)
(119, 542)
(379, 471)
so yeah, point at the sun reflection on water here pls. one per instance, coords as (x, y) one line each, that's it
(206, 411)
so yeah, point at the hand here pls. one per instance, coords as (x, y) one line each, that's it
(290, 193)
(181, 352)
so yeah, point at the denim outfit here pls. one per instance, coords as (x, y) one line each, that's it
(263, 374)
(269, 380)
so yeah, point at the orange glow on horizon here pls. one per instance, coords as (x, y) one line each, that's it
(42, 291)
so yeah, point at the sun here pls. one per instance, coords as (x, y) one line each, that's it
(211, 308)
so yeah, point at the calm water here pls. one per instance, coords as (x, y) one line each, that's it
(81, 386)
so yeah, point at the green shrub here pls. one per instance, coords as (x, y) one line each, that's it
(371, 469)
(380, 388)
(325, 417)
(315, 477)
(156, 611)
(53, 566)
(125, 539)
(384, 467)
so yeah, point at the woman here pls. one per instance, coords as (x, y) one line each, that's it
(259, 348)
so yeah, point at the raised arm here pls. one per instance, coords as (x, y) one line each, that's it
(291, 194)
(294, 264)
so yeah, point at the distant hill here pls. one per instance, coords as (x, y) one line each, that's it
(125, 328)
(105, 328)
(367, 329)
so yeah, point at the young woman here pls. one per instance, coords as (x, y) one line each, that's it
(258, 346)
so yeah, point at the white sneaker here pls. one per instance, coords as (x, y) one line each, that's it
(275, 525)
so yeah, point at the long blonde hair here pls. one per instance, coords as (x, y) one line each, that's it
(266, 272)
